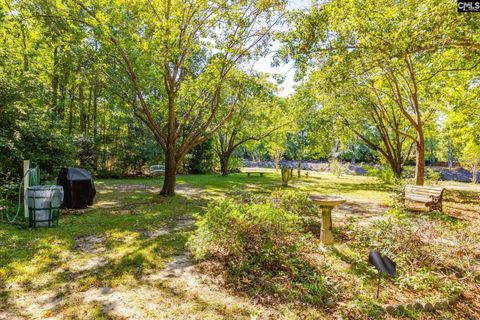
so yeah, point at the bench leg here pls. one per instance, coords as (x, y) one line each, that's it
(435, 206)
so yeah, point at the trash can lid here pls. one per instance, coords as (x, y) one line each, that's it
(45, 187)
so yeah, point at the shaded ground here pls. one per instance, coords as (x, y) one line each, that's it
(126, 256)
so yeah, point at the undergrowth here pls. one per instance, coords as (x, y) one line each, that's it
(261, 244)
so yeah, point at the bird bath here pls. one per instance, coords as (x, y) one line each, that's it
(326, 203)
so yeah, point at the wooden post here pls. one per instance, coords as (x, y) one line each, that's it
(26, 167)
(326, 235)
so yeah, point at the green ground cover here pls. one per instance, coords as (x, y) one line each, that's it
(127, 256)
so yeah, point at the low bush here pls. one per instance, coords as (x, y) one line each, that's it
(433, 176)
(424, 248)
(235, 164)
(201, 159)
(262, 247)
(383, 173)
(337, 167)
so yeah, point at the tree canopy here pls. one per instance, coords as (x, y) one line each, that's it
(383, 59)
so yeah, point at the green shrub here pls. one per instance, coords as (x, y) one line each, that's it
(201, 159)
(235, 164)
(408, 174)
(262, 247)
(295, 202)
(433, 176)
(86, 153)
(383, 173)
(43, 146)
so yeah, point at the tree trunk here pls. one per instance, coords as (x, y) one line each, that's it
(81, 104)
(299, 168)
(169, 181)
(24, 47)
(63, 99)
(285, 176)
(450, 155)
(277, 157)
(420, 160)
(168, 188)
(95, 110)
(55, 81)
(474, 173)
(224, 159)
(89, 110)
(397, 172)
(70, 112)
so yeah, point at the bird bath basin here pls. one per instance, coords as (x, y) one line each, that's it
(326, 203)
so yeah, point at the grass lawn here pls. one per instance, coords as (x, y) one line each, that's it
(126, 257)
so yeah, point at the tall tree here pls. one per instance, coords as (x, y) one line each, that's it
(393, 49)
(377, 122)
(258, 114)
(175, 56)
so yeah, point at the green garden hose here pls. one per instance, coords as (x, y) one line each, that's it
(33, 180)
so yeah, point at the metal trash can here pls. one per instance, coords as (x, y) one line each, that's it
(44, 204)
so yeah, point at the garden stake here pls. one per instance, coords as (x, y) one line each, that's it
(383, 265)
(378, 283)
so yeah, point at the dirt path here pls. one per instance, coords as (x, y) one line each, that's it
(175, 291)
(166, 294)
(365, 212)
(172, 292)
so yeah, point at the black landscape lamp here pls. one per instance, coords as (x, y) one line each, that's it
(383, 264)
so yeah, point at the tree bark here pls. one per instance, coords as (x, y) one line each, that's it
(95, 110)
(70, 111)
(168, 188)
(396, 169)
(450, 155)
(224, 166)
(474, 174)
(24, 47)
(63, 99)
(420, 160)
(55, 81)
(224, 159)
(299, 168)
(81, 104)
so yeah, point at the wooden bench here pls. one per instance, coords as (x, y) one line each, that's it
(259, 172)
(157, 169)
(432, 197)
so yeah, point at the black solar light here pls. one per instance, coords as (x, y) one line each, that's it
(383, 264)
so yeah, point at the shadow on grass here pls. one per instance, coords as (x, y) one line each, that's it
(461, 196)
(348, 187)
(26, 256)
(441, 216)
(359, 268)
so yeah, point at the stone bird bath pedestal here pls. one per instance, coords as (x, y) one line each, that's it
(326, 203)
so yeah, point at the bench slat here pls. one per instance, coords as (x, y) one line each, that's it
(155, 169)
(430, 196)
(419, 188)
(418, 199)
(423, 191)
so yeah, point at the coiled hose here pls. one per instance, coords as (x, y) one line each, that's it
(33, 180)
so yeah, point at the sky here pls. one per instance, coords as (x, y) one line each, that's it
(287, 70)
